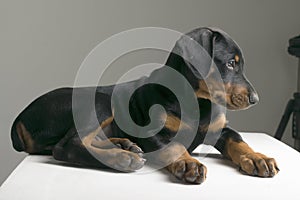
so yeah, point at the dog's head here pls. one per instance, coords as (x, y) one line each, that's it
(214, 63)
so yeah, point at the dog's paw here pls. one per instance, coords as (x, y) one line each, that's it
(189, 170)
(257, 164)
(126, 144)
(125, 161)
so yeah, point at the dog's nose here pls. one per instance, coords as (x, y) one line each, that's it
(253, 98)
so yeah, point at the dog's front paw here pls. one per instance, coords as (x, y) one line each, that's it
(189, 170)
(257, 164)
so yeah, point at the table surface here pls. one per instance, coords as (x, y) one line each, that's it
(41, 177)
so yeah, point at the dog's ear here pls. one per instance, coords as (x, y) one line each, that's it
(196, 50)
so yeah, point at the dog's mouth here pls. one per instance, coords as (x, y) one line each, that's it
(231, 97)
(241, 97)
(230, 101)
(238, 102)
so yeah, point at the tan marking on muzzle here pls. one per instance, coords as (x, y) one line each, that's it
(238, 96)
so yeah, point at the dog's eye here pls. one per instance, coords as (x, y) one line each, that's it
(230, 64)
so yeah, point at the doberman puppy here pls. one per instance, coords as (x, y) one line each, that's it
(47, 125)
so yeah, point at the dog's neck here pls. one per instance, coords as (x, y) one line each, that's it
(177, 63)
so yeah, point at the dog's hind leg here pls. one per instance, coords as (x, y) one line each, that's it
(88, 151)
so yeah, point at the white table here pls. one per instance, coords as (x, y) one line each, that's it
(41, 177)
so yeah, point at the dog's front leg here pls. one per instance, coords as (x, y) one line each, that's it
(232, 146)
(181, 164)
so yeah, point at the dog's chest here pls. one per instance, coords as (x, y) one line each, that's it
(211, 117)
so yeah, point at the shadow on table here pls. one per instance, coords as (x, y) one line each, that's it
(171, 178)
(52, 161)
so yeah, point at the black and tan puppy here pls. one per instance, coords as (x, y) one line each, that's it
(47, 125)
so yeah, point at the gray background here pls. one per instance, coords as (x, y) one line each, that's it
(42, 44)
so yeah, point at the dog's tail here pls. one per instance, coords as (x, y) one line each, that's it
(16, 138)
